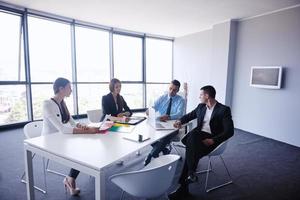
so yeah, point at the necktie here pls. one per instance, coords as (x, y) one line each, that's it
(169, 107)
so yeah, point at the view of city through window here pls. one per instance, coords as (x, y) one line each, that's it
(89, 60)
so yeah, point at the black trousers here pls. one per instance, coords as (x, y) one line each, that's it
(161, 144)
(195, 150)
(74, 173)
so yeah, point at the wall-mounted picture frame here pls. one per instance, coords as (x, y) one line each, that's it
(268, 77)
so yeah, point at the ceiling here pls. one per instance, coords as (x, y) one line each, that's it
(173, 18)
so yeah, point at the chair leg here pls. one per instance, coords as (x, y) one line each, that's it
(207, 173)
(177, 151)
(219, 186)
(37, 188)
(166, 196)
(209, 168)
(53, 171)
(122, 195)
(226, 168)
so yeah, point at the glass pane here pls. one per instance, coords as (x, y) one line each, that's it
(158, 59)
(43, 92)
(154, 91)
(13, 104)
(133, 95)
(90, 96)
(50, 50)
(11, 59)
(92, 55)
(127, 58)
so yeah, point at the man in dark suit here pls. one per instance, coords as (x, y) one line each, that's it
(214, 125)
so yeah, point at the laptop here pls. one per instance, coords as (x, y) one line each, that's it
(158, 125)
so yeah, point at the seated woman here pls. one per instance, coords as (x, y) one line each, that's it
(56, 118)
(113, 103)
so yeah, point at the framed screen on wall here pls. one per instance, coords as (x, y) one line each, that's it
(266, 77)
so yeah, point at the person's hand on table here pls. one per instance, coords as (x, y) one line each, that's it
(82, 126)
(93, 130)
(164, 118)
(177, 124)
(123, 114)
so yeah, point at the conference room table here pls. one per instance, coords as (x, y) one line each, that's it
(88, 153)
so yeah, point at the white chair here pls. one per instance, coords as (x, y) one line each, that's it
(151, 181)
(31, 130)
(94, 116)
(218, 151)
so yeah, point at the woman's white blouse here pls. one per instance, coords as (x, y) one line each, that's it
(52, 120)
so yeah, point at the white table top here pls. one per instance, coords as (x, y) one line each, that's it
(96, 150)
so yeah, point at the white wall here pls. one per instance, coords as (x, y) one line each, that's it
(269, 40)
(192, 61)
(222, 56)
(205, 58)
(223, 60)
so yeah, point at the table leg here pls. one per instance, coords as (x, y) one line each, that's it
(29, 175)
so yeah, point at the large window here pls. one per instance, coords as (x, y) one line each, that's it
(11, 60)
(88, 55)
(13, 104)
(159, 59)
(133, 95)
(93, 67)
(90, 95)
(92, 55)
(128, 60)
(50, 58)
(13, 101)
(50, 50)
(154, 91)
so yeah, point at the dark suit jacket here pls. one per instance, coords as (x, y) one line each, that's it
(109, 106)
(221, 124)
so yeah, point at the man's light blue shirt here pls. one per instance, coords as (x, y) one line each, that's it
(177, 108)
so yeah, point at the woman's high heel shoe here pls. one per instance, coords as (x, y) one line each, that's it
(68, 186)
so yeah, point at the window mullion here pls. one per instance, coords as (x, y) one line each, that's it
(74, 68)
(27, 65)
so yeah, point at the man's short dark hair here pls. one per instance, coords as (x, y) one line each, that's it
(176, 83)
(210, 90)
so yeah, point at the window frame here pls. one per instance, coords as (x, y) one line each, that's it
(24, 13)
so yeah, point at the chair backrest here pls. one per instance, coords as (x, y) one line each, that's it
(94, 116)
(219, 149)
(33, 129)
(184, 95)
(151, 181)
